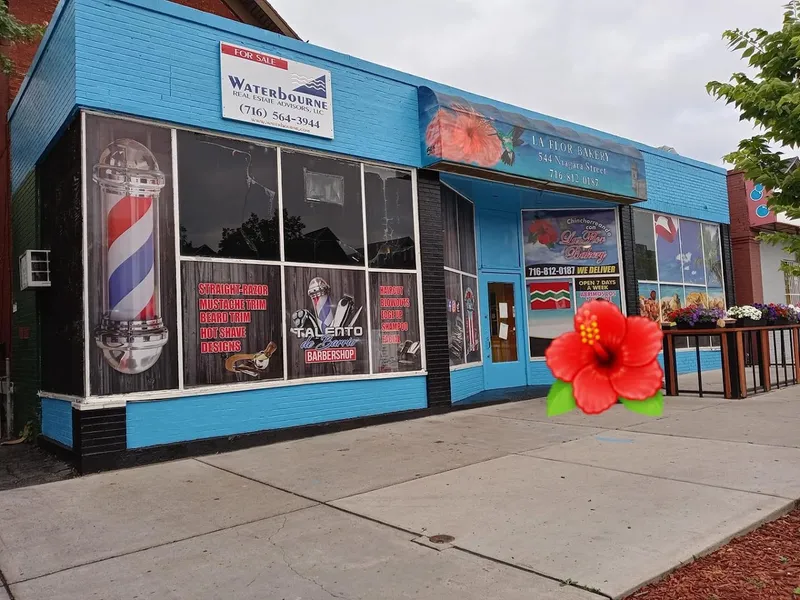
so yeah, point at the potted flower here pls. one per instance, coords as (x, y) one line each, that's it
(794, 314)
(746, 316)
(774, 314)
(696, 317)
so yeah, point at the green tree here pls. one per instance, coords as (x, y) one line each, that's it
(12, 30)
(770, 100)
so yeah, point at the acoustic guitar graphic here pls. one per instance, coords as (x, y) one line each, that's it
(251, 364)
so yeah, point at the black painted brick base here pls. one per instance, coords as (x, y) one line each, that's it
(434, 302)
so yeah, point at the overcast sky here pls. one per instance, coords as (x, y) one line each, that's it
(631, 67)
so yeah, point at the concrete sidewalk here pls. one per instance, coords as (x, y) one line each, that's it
(570, 508)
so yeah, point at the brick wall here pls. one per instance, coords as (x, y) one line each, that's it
(25, 366)
(41, 11)
(689, 190)
(745, 249)
(434, 301)
(57, 421)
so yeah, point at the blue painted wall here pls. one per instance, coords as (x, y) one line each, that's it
(57, 420)
(465, 383)
(213, 415)
(47, 95)
(375, 110)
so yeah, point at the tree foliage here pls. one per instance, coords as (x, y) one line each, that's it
(770, 100)
(12, 30)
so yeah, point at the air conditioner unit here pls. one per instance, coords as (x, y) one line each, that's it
(34, 269)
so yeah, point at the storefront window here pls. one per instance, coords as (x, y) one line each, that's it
(472, 334)
(455, 321)
(231, 322)
(461, 285)
(645, 246)
(228, 198)
(322, 210)
(571, 257)
(452, 255)
(338, 298)
(466, 236)
(396, 341)
(326, 321)
(687, 257)
(390, 218)
(130, 226)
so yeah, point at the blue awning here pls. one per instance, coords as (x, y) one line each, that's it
(484, 140)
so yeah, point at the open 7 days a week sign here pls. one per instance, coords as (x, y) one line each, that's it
(275, 92)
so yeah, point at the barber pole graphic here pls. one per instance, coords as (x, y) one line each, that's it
(470, 321)
(131, 334)
(131, 264)
(319, 292)
(550, 295)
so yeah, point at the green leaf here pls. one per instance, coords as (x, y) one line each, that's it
(652, 407)
(560, 399)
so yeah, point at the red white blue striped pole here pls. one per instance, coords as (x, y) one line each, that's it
(132, 333)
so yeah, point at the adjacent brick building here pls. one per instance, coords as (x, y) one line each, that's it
(757, 273)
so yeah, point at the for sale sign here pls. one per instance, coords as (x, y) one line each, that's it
(275, 92)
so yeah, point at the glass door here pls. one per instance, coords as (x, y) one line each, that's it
(502, 322)
(504, 366)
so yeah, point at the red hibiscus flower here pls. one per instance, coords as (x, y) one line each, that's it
(463, 136)
(607, 357)
(543, 232)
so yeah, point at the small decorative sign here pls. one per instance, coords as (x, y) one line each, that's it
(275, 92)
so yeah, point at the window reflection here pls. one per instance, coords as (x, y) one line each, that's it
(322, 210)
(228, 198)
(390, 218)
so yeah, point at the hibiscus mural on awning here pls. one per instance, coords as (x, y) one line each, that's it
(459, 135)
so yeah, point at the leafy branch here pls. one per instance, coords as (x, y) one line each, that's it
(12, 30)
(770, 101)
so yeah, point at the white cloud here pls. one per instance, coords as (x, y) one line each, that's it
(636, 69)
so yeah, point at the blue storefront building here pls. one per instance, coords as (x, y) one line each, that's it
(251, 238)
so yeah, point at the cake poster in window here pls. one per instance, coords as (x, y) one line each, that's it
(565, 243)
(327, 322)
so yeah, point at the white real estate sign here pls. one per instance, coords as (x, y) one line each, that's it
(275, 92)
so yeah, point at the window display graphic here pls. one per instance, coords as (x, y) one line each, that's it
(131, 333)
(649, 306)
(395, 323)
(472, 337)
(130, 231)
(232, 322)
(668, 249)
(455, 323)
(598, 288)
(251, 364)
(551, 311)
(562, 243)
(328, 337)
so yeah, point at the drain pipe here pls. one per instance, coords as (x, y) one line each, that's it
(9, 403)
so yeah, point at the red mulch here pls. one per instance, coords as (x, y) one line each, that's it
(762, 565)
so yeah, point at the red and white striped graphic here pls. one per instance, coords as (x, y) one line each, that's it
(131, 260)
(666, 227)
